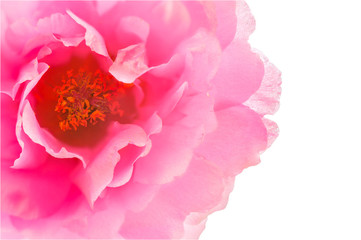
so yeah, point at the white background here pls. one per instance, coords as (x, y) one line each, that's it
(308, 185)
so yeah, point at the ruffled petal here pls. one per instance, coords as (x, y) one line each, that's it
(93, 39)
(129, 64)
(237, 142)
(266, 99)
(164, 216)
(93, 179)
(239, 75)
(245, 20)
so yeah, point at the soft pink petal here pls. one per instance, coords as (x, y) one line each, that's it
(170, 155)
(63, 28)
(266, 99)
(10, 148)
(124, 168)
(93, 39)
(199, 189)
(272, 131)
(245, 20)
(202, 59)
(239, 75)
(36, 193)
(30, 72)
(222, 19)
(93, 179)
(226, 21)
(129, 64)
(132, 196)
(236, 144)
(32, 155)
(38, 135)
(170, 18)
(135, 25)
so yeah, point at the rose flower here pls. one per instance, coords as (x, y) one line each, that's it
(127, 119)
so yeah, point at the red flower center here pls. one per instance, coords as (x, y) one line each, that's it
(85, 98)
(75, 101)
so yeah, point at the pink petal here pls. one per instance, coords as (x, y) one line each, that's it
(170, 155)
(135, 25)
(10, 148)
(172, 148)
(40, 136)
(266, 99)
(239, 75)
(202, 59)
(63, 28)
(222, 18)
(93, 179)
(124, 169)
(32, 155)
(31, 194)
(170, 18)
(199, 189)
(237, 142)
(129, 64)
(93, 39)
(226, 21)
(245, 21)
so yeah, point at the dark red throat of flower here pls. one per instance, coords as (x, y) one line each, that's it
(86, 98)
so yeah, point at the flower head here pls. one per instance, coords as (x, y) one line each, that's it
(127, 119)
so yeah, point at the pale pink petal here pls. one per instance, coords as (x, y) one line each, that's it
(266, 99)
(105, 6)
(132, 196)
(129, 64)
(136, 26)
(93, 39)
(199, 189)
(239, 75)
(124, 169)
(171, 153)
(222, 19)
(172, 18)
(245, 20)
(129, 155)
(199, 49)
(272, 131)
(93, 179)
(226, 21)
(62, 28)
(237, 142)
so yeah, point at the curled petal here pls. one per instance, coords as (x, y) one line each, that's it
(129, 64)
(93, 39)
(93, 179)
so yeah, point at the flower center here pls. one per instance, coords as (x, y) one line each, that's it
(86, 98)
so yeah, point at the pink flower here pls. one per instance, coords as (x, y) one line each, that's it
(127, 119)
